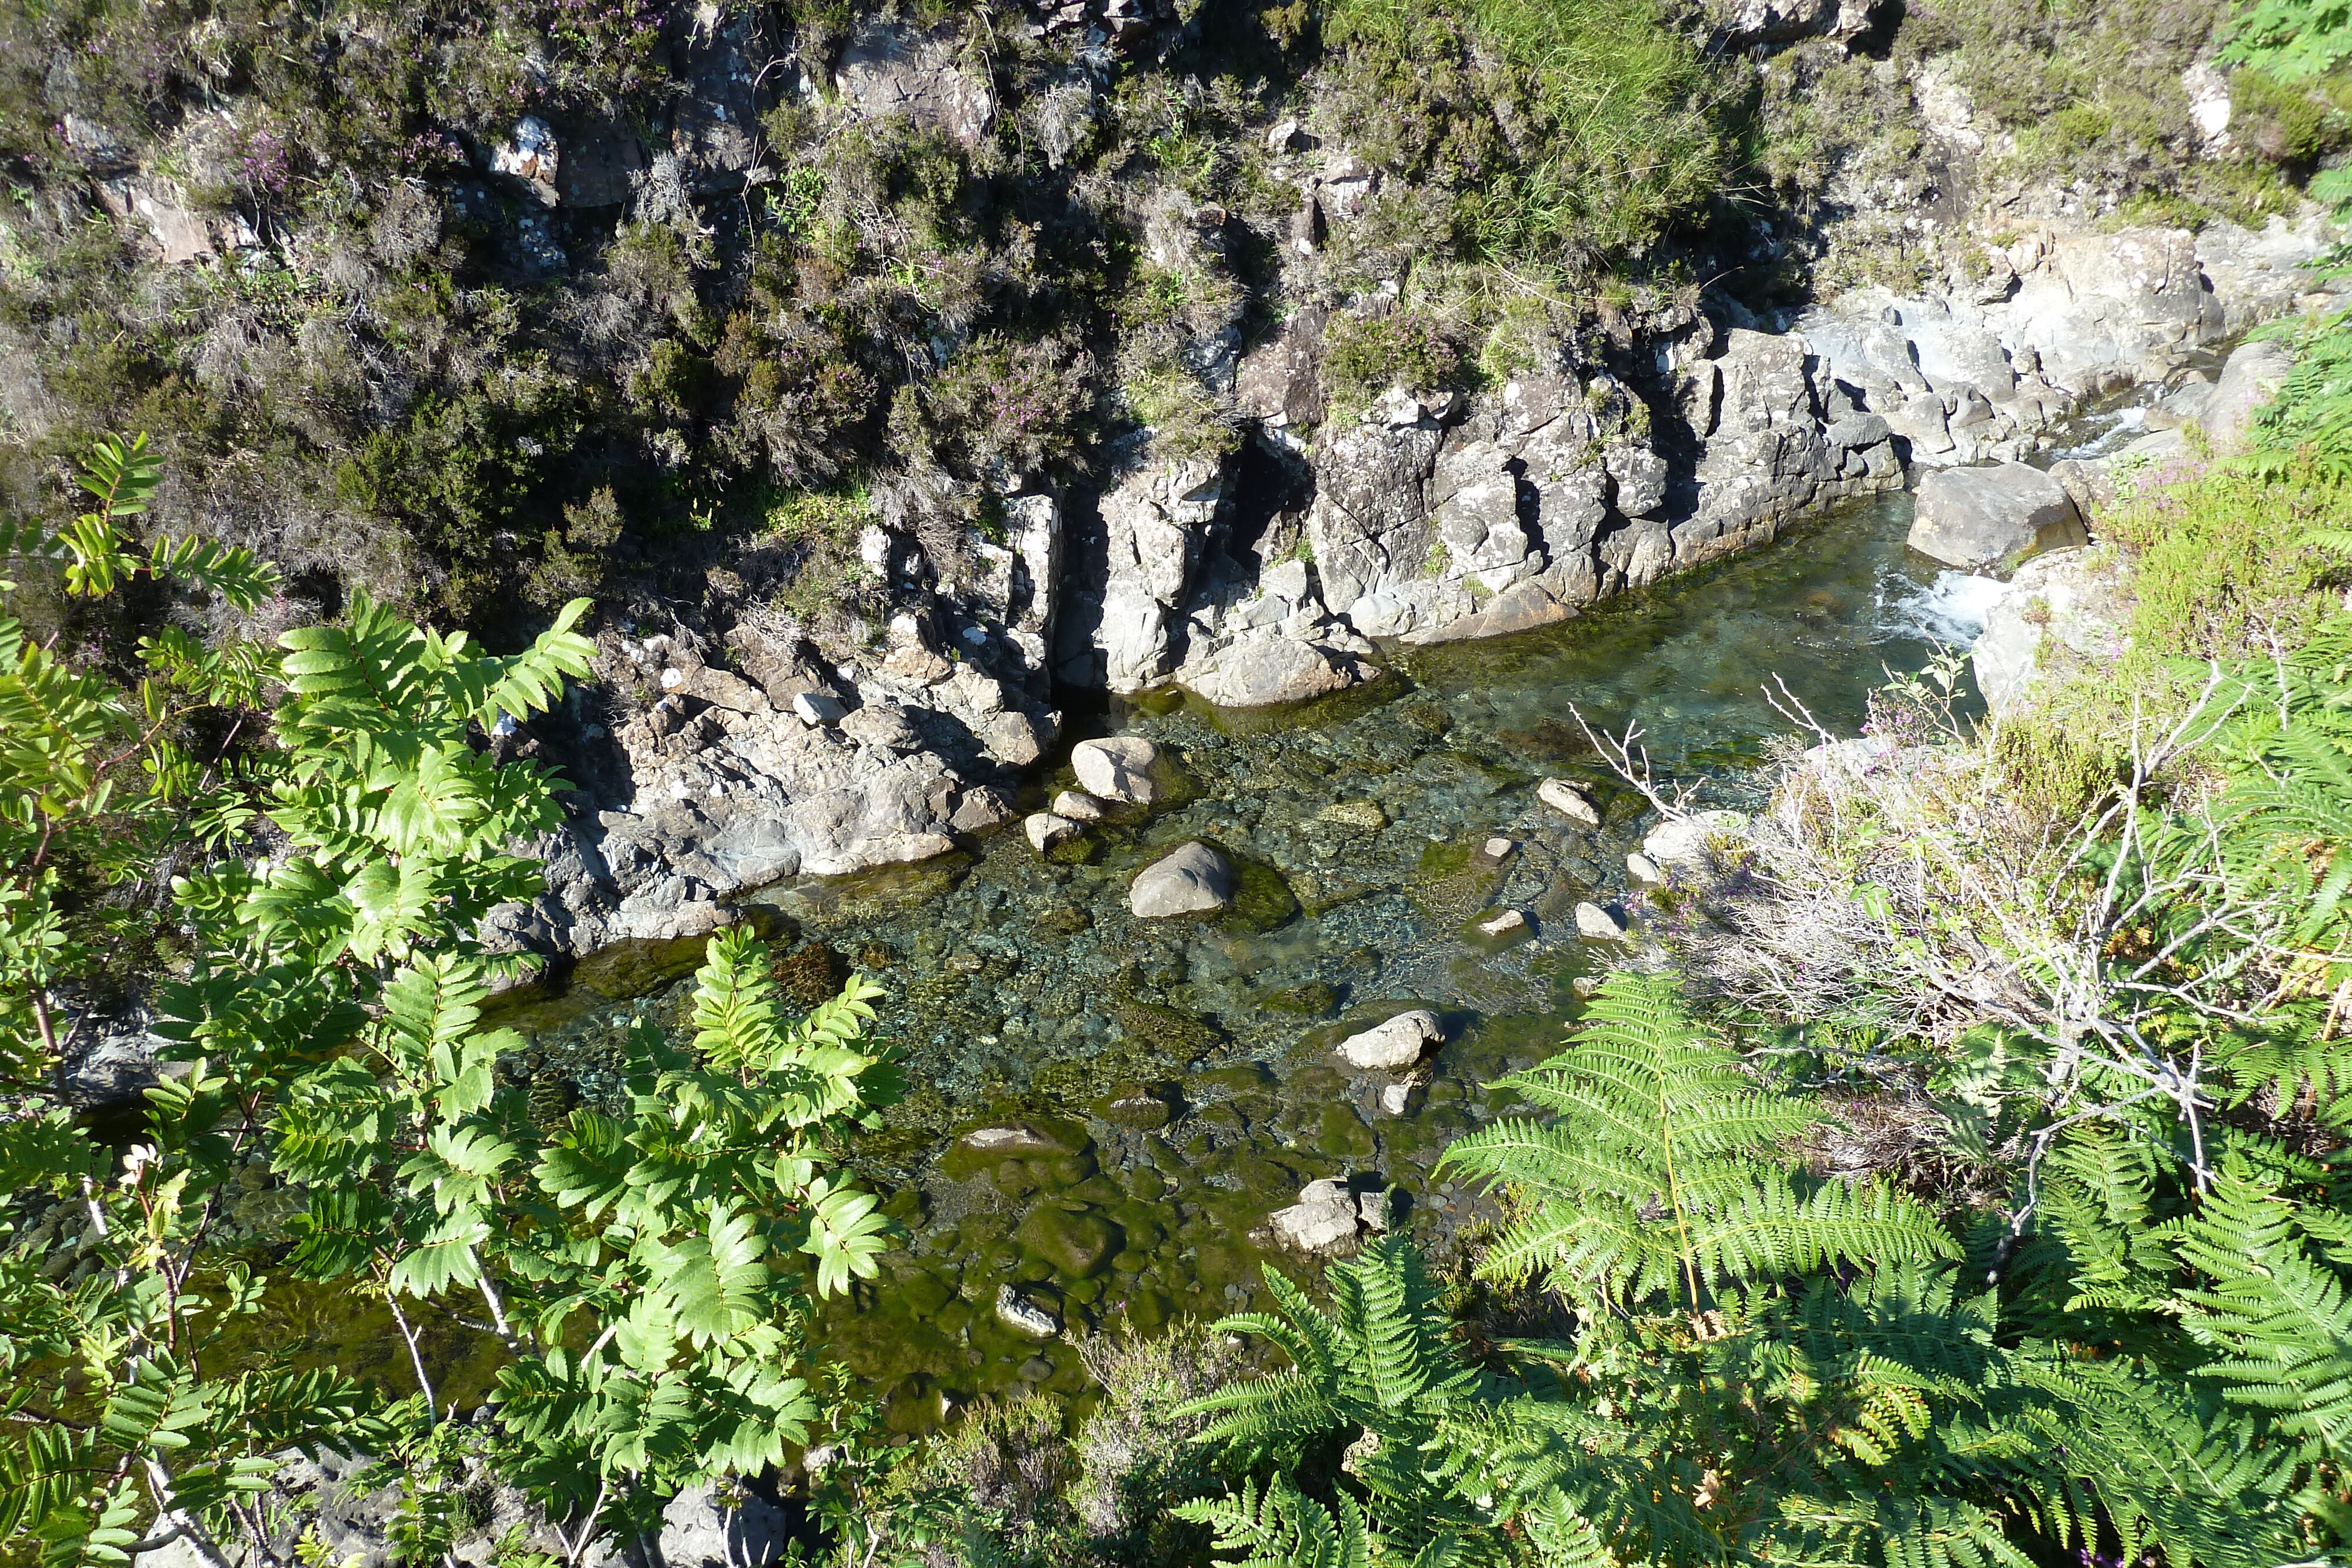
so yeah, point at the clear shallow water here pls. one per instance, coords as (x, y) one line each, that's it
(1022, 989)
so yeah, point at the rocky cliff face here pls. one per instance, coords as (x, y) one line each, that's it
(1429, 518)
(893, 381)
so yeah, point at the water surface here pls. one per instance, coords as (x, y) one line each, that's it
(1021, 988)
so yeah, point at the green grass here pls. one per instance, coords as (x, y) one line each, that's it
(1622, 137)
(2222, 563)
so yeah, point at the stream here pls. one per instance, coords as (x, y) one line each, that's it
(1174, 1079)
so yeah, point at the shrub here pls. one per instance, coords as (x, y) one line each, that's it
(2285, 122)
(1622, 137)
(1366, 355)
(1183, 419)
(1002, 407)
(2219, 561)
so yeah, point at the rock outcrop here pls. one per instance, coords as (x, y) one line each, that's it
(2062, 613)
(1990, 519)
(1434, 516)
(2249, 379)
(1961, 380)
(1777, 443)
(724, 782)
(1154, 524)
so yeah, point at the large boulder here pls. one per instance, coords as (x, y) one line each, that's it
(893, 70)
(1521, 609)
(2248, 379)
(1193, 880)
(1263, 666)
(1985, 519)
(1371, 527)
(2062, 610)
(1768, 455)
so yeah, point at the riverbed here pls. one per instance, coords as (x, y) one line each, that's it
(1174, 1080)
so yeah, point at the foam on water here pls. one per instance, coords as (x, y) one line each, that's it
(2104, 432)
(1949, 609)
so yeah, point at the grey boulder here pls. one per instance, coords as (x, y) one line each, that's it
(1393, 1046)
(1118, 769)
(2250, 379)
(1993, 518)
(1263, 668)
(1595, 924)
(1687, 847)
(2061, 614)
(1046, 829)
(1329, 1218)
(1193, 880)
(1078, 806)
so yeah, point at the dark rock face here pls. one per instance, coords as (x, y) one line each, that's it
(890, 69)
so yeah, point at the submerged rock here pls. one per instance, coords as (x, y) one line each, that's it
(1569, 801)
(1194, 879)
(1365, 815)
(1992, 518)
(1031, 1138)
(1510, 922)
(1075, 1243)
(1023, 1315)
(1393, 1046)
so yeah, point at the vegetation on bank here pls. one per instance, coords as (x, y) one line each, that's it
(403, 373)
(644, 1275)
